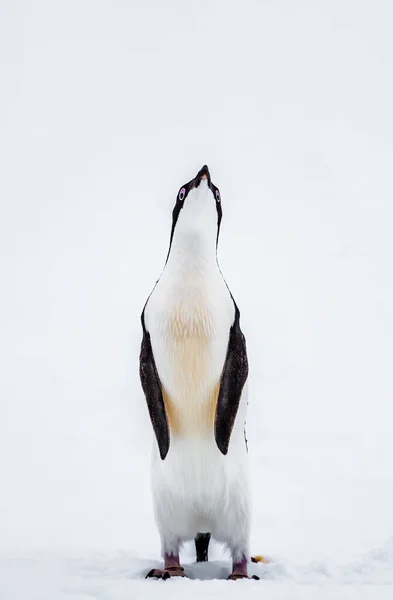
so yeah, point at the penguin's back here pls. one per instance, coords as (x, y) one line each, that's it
(188, 317)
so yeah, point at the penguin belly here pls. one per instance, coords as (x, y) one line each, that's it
(196, 488)
(189, 320)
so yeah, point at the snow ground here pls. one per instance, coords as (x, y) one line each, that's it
(106, 108)
(121, 575)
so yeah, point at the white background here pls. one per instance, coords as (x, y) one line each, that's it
(106, 109)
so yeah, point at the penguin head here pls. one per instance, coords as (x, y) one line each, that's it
(197, 212)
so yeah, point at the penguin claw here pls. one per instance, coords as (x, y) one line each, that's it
(235, 576)
(157, 573)
(166, 573)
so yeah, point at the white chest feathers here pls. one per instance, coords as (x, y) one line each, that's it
(189, 320)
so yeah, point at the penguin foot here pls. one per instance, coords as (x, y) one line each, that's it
(234, 576)
(173, 572)
(166, 573)
(239, 570)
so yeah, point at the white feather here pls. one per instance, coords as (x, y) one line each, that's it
(189, 316)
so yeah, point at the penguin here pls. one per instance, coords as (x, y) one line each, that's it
(193, 372)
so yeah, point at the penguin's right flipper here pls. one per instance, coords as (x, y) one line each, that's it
(152, 388)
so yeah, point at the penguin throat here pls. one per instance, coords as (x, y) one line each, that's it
(192, 248)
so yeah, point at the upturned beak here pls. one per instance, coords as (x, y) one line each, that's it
(203, 174)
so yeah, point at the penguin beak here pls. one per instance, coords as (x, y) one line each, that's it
(202, 175)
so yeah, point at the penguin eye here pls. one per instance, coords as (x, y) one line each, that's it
(182, 193)
(218, 196)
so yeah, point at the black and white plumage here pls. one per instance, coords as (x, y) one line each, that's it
(193, 369)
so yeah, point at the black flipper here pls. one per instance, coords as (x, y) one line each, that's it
(152, 388)
(233, 378)
(202, 546)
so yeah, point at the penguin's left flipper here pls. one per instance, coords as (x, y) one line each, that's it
(233, 378)
(152, 388)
